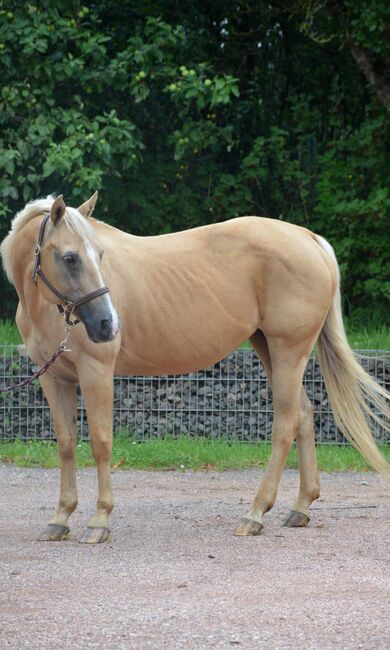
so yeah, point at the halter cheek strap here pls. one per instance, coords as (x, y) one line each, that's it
(68, 306)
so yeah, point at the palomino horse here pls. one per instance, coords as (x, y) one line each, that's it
(184, 301)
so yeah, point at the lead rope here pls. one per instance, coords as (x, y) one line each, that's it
(63, 347)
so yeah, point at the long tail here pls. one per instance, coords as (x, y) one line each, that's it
(356, 399)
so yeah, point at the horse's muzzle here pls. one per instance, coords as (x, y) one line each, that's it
(100, 328)
(105, 331)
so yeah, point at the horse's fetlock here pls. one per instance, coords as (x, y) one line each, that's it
(106, 505)
(314, 493)
(69, 504)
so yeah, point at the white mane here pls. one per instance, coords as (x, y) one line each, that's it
(31, 210)
(73, 219)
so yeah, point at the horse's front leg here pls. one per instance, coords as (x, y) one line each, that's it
(62, 398)
(97, 389)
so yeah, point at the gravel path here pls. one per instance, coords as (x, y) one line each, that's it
(173, 576)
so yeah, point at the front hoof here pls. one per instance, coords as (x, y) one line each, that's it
(54, 533)
(94, 535)
(248, 527)
(296, 520)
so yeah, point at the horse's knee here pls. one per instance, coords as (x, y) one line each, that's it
(66, 448)
(101, 449)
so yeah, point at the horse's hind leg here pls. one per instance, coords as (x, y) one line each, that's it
(259, 343)
(309, 480)
(288, 365)
(62, 400)
(97, 389)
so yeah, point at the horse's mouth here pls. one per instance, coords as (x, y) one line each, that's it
(102, 339)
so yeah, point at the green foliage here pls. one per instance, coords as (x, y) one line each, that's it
(188, 113)
(364, 23)
(352, 183)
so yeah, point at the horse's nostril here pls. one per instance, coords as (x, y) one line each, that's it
(105, 327)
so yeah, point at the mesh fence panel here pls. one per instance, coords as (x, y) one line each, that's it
(231, 400)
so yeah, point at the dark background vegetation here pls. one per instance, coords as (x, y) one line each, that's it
(184, 113)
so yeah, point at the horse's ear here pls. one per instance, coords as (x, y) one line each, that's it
(88, 207)
(57, 209)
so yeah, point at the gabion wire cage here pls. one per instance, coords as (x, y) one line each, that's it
(231, 400)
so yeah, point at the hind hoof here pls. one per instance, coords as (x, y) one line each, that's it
(95, 535)
(248, 527)
(296, 520)
(54, 533)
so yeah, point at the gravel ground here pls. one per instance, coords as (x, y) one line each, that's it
(173, 576)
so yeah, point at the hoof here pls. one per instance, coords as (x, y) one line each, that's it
(248, 527)
(54, 533)
(296, 520)
(95, 535)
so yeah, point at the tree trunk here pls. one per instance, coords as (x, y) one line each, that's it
(376, 79)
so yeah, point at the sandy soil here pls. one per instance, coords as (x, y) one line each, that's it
(173, 576)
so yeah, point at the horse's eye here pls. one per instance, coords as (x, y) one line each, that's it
(70, 258)
(101, 253)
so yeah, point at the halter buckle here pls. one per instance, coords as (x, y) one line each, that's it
(37, 250)
(67, 311)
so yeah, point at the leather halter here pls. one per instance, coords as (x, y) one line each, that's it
(68, 306)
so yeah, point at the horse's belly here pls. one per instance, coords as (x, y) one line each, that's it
(182, 345)
(187, 313)
(173, 363)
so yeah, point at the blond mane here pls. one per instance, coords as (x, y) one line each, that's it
(73, 219)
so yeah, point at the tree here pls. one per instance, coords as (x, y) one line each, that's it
(360, 26)
(189, 113)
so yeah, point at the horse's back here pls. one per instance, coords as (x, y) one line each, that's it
(187, 299)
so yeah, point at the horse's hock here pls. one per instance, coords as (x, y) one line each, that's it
(231, 400)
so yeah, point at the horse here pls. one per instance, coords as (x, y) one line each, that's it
(176, 303)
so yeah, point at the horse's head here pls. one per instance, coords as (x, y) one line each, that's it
(70, 260)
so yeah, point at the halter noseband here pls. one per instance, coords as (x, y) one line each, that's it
(68, 306)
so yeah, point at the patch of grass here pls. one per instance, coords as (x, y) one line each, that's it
(369, 339)
(9, 334)
(180, 454)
